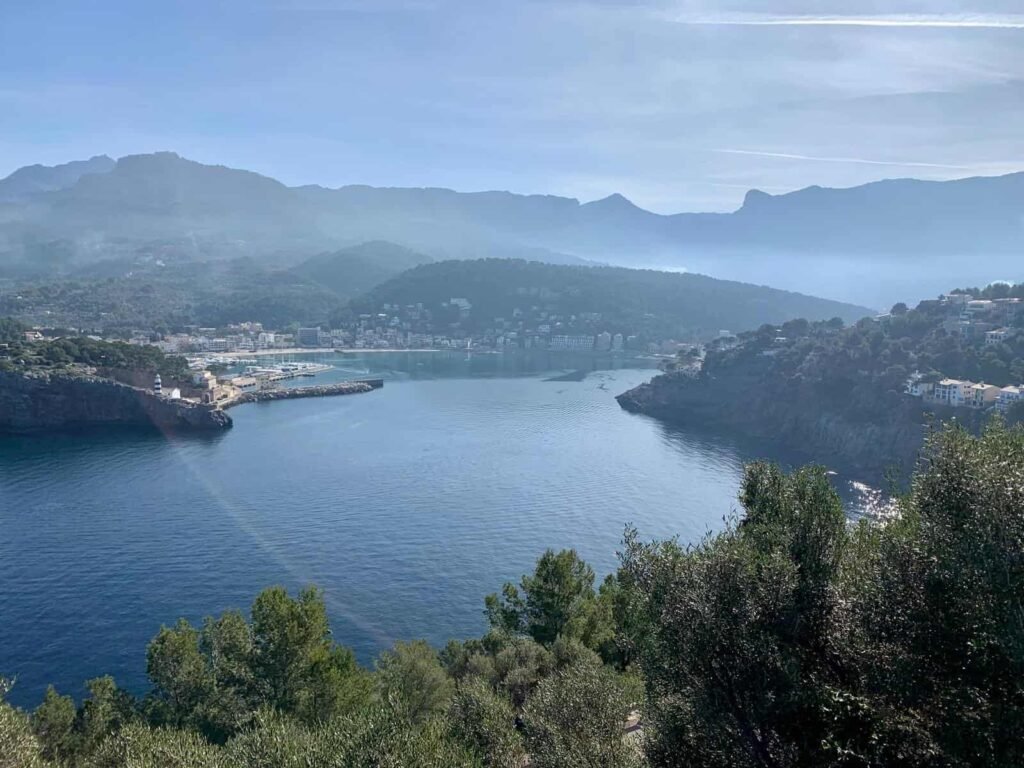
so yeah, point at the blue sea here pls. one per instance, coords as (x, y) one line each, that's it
(405, 505)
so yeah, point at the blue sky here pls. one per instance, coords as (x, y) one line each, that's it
(678, 105)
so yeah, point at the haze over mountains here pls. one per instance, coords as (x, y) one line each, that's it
(873, 244)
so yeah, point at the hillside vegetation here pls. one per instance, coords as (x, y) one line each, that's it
(789, 639)
(657, 304)
(839, 391)
(352, 271)
(150, 293)
(158, 296)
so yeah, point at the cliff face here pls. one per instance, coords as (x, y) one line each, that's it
(868, 447)
(38, 401)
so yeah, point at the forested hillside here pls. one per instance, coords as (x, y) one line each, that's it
(151, 293)
(840, 391)
(659, 304)
(352, 271)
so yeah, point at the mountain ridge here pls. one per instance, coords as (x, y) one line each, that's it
(198, 211)
(105, 164)
(28, 180)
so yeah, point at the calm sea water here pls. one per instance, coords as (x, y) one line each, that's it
(406, 505)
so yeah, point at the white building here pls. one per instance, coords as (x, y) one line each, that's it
(997, 336)
(573, 343)
(1008, 396)
(952, 392)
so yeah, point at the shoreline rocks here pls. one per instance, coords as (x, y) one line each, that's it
(37, 401)
(317, 390)
(732, 403)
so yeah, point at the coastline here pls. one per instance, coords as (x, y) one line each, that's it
(310, 351)
(871, 450)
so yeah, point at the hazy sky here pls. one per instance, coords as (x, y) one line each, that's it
(678, 105)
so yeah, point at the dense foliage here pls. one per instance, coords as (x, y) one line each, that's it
(1000, 290)
(151, 296)
(629, 301)
(274, 688)
(146, 293)
(355, 270)
(60, 353)
(792, 638)
(861, 371)
(795, 639)
(11, 330)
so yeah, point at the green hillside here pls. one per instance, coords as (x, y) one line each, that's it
(355, 270)
(661, 304)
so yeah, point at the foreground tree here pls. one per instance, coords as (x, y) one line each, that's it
(214, 680)
(19, 747)
(945, 612)
(792, 639)
(575, 719)
(485, 722)
(411, 680)
(141, 746)
(557, 599)
(54, 723)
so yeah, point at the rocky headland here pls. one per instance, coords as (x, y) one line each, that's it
(737, 403)
(37, 400)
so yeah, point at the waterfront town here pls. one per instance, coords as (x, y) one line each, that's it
(225, 361)
(985, 321)
(453, 325)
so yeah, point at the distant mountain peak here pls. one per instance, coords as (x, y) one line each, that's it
(613, 201)
(153, 159)
(34, 179)
(755, 197)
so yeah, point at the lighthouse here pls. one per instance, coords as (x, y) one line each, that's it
(157, 386)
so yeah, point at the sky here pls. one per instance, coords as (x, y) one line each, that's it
(680, 106)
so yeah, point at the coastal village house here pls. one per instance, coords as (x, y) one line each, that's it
(916, 387)
(997, 336)
(958, 393)
(983, 395)
(1008, 396)
(952, 392)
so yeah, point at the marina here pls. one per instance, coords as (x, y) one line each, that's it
(283, 371)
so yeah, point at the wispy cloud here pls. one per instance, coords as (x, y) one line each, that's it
(856, 160)
(937, 21)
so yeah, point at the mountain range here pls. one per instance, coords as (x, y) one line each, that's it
(860, 244)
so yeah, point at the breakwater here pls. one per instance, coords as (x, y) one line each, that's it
(318, 390)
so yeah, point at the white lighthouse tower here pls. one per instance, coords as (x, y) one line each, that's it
(157, 386)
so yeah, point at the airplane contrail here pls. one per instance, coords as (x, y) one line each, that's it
(935, 22)
(860, 160)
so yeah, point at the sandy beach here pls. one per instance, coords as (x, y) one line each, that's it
(312, 351)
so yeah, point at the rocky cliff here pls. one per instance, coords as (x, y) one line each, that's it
(40, 400)
(871, 448)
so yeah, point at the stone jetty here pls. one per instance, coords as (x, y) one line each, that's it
(318, 390)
